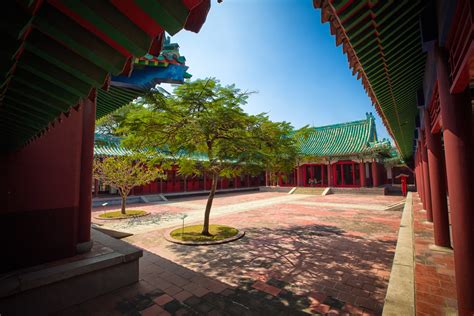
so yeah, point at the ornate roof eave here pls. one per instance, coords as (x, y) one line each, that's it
(329, 14)
(63, 52)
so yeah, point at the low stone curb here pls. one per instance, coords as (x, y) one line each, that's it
(400, 298)
(168, 237)
(119, 218)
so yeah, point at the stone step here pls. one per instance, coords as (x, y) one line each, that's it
(309, 190)
(369, 191)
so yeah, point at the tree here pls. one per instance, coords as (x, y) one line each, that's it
(201, 118)
(126, 172)
(281, 147)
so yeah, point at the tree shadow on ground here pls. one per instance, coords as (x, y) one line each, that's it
(162, 282)
(309, 261)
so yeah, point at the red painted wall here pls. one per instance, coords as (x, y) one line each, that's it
(40, 197)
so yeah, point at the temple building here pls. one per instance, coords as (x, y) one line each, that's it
(108, 146)
(344, 155)
(340, 155)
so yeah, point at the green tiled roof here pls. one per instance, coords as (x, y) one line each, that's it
(105, 145)
(345, 139)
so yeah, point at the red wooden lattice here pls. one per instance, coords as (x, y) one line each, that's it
(434, 111)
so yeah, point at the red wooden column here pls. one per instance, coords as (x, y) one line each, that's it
(297, 176)
(84, 242)
(422, 183)
(330, 175)
(456, 116)
(375, 174)
(420, 173)
(439, 204)
(96, 187)
(419, 187)
(362, 173)
(426, 180)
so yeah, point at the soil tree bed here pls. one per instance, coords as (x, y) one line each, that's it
(119, 215)
(191, 235)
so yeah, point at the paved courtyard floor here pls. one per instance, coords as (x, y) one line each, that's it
(301, 254)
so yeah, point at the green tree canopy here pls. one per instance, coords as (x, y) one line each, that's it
(126, 172)
(204, 117)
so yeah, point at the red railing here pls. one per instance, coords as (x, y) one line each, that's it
(434, 111)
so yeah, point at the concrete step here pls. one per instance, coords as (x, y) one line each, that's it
(54, 286)
(369, 191)
(309, 190)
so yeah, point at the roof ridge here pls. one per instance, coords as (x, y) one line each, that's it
(366, 121)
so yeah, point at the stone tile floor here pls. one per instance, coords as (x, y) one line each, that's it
(294, 259)
(435, 286)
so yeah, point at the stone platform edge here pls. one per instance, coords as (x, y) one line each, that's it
(400, 298)
(49, 288)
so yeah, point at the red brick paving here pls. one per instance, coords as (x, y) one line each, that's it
(342, 253)
(320, 259)
(435, 286)
(259, 285)
(229, 198)
(153, 311)
(197, 201)
(163, 299)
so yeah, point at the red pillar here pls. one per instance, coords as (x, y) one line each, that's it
(330, 176)
(96, 187)
(422, 184)
(417, 174)
(426, 180)
(375, 175)
(362, 173)
(439, 204)
(84, 242)
(297, 176)
(456, 116)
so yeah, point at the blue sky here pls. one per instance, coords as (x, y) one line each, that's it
(280, 49)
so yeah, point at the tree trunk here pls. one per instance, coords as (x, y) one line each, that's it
(124, 202)
(205, 228)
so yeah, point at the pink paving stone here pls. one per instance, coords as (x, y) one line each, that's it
(259, 285)
(182, 296)
(434, 282)
(323, 308)
(196, 289)
(308, 247)
(163, 299)
(317, 297)
(172, 290)
(152, 311)
(353, 310)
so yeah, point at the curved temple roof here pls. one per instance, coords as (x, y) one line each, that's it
(55, 52)
(382, 42)
(357, 138)
(107, 145)
(345, 139)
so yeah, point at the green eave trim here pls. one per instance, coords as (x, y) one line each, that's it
(383, 41)
(116, 97)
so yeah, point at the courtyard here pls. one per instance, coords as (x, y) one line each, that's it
(300, 254)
